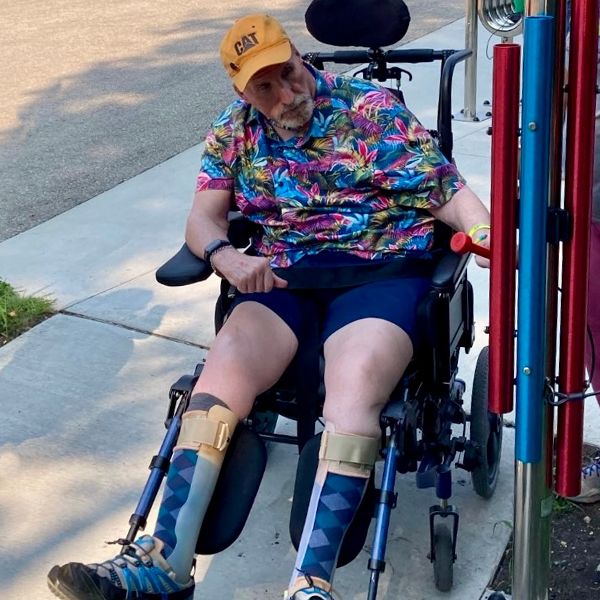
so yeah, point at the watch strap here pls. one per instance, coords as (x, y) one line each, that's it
(213, 247)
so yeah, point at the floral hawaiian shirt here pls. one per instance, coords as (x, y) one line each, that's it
(361, 180)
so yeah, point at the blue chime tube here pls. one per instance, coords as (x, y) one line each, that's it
(538, 60)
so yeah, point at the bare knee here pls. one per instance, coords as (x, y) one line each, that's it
(353, 414)
(248, 356)
(363, 364)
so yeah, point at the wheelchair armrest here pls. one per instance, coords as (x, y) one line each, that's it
(183, 269)
(448, 271)
(186, 268)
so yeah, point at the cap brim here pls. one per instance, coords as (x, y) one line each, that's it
(270, 56)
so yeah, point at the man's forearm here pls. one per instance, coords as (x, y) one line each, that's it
(201, 230)
(207, 220)
(463, 211)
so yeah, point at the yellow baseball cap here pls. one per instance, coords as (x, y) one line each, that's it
(253, 43)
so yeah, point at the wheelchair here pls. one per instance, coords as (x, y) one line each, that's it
(425, 410)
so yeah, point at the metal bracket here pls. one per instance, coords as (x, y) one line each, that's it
(559, 227)
(181, 390)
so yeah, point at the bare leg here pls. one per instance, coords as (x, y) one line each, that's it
(363, 364)
(250, 353)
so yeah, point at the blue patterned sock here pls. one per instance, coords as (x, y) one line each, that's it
(191, 480)
(333, 504)
(175, 495)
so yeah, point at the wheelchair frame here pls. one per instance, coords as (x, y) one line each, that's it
(428, 398)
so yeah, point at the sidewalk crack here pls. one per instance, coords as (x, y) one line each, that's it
(109, 289)
(70, 313)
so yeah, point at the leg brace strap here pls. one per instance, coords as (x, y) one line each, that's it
(349, 454)
(212, 429)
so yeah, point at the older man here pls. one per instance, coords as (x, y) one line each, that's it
(336, 172)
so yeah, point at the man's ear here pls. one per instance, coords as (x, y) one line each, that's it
(240, 94)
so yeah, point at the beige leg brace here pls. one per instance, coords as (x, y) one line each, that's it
(203, 441)
(349, 454)
(207, 432)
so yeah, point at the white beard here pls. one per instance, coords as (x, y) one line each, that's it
(299, 114)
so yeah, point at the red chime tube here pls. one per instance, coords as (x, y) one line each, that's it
(505, 131)
(578, 193)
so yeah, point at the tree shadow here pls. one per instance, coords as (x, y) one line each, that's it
(79, 426)
(84, 133)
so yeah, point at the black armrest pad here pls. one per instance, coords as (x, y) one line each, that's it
(183, 269)
(449, 270)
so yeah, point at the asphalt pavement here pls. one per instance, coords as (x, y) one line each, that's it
(95, 93)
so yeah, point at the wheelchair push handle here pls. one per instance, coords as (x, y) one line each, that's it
(354, 57)
(461, 243)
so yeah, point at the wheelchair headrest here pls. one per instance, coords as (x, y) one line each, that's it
(368, 23)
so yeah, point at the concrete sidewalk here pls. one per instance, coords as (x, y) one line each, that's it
(84, 394)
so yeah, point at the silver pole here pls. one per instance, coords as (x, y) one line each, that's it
(533, 509)
(471, 62)
(533, 494)
(540, 7)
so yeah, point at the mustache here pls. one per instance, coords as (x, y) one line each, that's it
(297, 102)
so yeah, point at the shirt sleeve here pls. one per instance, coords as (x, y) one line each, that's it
(410, 162)
(216, 171)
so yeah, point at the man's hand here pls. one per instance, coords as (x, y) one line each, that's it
(247, 273)
(480, 260)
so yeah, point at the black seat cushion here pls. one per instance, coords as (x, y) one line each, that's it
(368, 23)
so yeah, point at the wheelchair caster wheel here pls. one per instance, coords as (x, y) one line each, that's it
(443, 561)
(486, 431)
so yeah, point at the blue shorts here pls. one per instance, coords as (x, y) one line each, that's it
(395, 300)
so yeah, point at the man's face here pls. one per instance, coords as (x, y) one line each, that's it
(283, 93)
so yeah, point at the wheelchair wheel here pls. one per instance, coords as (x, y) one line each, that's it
(486, 430)
(443, 562)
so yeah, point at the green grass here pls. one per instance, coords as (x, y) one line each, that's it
(563, 505)
(18, 313)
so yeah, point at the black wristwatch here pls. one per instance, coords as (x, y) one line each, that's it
(213, 247)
